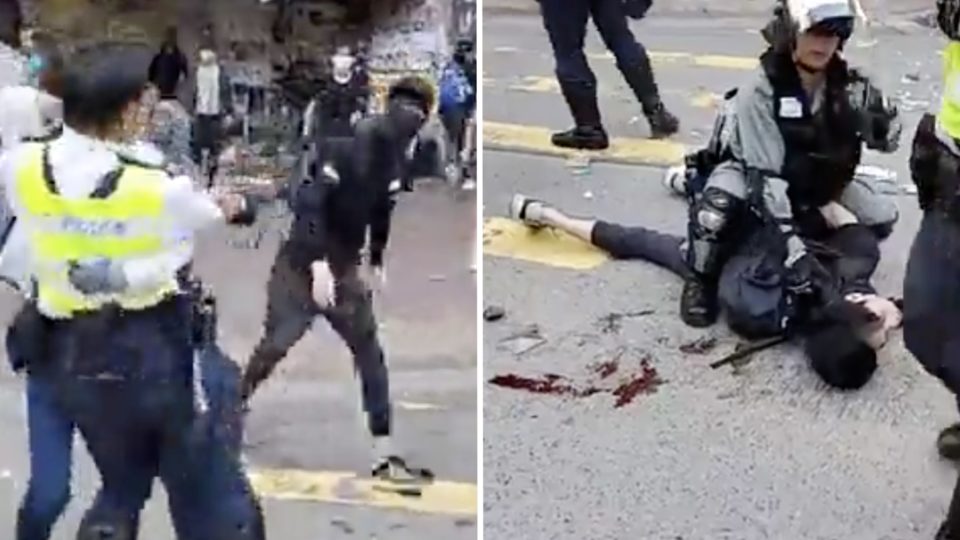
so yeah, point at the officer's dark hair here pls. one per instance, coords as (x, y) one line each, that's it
(416, 89)
(100, 81)
(11, 23)
(837, 353)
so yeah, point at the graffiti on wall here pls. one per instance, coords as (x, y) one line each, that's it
(408, 35)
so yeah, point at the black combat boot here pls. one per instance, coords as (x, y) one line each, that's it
(698, 301)
(948, 443)
(588, 134)
(641, 81)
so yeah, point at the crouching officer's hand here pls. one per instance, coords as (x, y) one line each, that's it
(880, 124)
(806, 275)
(100, 276)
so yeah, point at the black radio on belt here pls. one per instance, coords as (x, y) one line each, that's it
(203, 313)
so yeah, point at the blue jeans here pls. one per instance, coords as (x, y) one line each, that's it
(50, 434)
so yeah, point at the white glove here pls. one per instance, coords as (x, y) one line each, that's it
(375, 278)
(323, 285)
(836, 215)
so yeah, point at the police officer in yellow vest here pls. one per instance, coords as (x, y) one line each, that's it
(931, 288)
(106, 237)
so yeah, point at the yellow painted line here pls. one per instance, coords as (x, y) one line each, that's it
(534, 84)
(513, 240)
(452, 498)
(718, 61)
(536, 140)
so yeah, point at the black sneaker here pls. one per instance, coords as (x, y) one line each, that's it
(662, 123)
(948, 443)
(698, 303)
(582, 138)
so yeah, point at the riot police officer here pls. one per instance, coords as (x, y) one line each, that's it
(787, 146)
(566, 24)
(318, 271)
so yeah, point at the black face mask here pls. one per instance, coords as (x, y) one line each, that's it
(460, 58)
(407, 119)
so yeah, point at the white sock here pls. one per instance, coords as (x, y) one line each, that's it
(382, 448)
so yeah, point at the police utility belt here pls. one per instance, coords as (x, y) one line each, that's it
(935, 169)
(122, 219)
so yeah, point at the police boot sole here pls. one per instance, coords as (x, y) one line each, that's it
(580, 142)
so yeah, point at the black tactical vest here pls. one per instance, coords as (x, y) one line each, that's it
(822, 149)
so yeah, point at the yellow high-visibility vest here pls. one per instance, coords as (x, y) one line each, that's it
(125, 224)
(949, 116)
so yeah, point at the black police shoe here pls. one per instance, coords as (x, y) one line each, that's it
(948, 443)
(582, 138)
(663, 124)
(698, 303)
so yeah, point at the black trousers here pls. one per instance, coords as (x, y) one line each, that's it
(126, 381)
(291, 311)
(566, 24)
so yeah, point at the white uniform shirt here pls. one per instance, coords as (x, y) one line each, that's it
(78, 163)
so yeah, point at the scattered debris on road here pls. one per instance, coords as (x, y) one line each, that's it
(494, 313)
(612, 323)
(523, 341)
(701, 345)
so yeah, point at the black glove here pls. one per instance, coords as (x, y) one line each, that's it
(807, 276)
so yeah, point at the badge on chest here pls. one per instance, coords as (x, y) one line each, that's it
(790, 107)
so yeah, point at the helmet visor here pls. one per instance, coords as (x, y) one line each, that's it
(841, 27)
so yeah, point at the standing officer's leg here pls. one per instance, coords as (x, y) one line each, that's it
(290, 312)
(872, 208)
(634, 64)
(712, 224)
(353, 319)
(50, 434)
(566, 24)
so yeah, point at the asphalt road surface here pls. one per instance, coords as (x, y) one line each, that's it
(762, 451)
(307, 445)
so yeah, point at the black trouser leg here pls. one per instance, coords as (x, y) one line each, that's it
(353, 319)
(641, 243)
(290, 312)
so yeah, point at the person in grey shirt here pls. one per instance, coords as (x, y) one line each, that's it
(785, 149)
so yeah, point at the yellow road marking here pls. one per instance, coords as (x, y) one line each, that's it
(511, 239)
(536, 140)
(718, 61)
(451, 498)
(535, 84)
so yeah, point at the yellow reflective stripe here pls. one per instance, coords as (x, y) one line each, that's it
(56, 303)
(76, 247)
(949, 116)
(136, 195)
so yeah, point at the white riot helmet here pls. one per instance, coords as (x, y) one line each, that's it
(948, 18)
(836, 17)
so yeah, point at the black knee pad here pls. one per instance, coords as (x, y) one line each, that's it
(839, 357)
(714, 211)
(883, 230)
